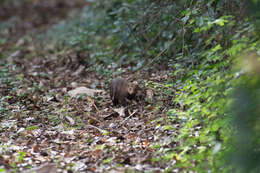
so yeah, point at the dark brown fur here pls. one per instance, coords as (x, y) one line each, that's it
(121, 91)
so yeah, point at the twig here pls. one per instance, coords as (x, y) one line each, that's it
(89, 116)
(157, 56)
(156, 37)
(92, 102)
(127, 118)
(99, 129)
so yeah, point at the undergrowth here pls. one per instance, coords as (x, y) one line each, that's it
(207, 40)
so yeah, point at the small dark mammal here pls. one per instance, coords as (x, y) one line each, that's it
(121, 91)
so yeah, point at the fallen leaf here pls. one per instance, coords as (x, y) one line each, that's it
(92, 102)
(70, 132)
(79, 166)
(20, 42)
(13, 55)
(35, 148)
(21, 91)
(120, 111)
(80, 70)
(83, 90)
(146, 143)
(46, 168)
(74, 84)
(149, 95)
(111, 141)
(70, 120)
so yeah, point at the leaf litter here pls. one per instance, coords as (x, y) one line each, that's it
(55, 121)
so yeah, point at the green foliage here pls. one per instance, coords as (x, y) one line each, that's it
(208, 35)
(132, 32)
(21, 155)
(245, 117)
(6, 81)
(30, 128)
(204, 98)
(203, 89)
(3, 26)
(108, 160)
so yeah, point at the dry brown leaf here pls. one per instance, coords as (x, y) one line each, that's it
(21, 91)
(83, 90)
(149, 95)
(120, 111)
(35, 148)
(14, 55)
(93, 103)
(146, 143)
(20, 42)
(70, 120)
(80, 70)
(46, 168)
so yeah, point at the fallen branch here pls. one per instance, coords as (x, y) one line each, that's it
(127, 118)
(93, 103)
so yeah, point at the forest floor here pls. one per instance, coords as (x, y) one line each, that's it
(46, 127)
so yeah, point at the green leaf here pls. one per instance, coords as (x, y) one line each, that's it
(108, 160)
